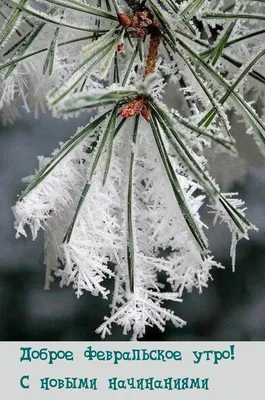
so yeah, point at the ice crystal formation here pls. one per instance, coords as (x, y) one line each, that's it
(121, 199)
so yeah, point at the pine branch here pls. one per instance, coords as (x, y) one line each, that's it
(133, 180)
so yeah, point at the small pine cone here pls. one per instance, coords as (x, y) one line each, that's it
(124, 20)
(120, 47)
(133, 108)
(143, 18)
(135, 20)
(140, 32)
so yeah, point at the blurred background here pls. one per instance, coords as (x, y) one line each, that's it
(231, 308)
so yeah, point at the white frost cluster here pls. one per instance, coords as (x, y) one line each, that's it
(97, 249)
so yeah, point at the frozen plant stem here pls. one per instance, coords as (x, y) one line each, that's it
(129, 185)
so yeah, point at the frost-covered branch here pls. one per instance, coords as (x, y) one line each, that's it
(131, 183)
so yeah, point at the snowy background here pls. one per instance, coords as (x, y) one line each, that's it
(232, 308)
